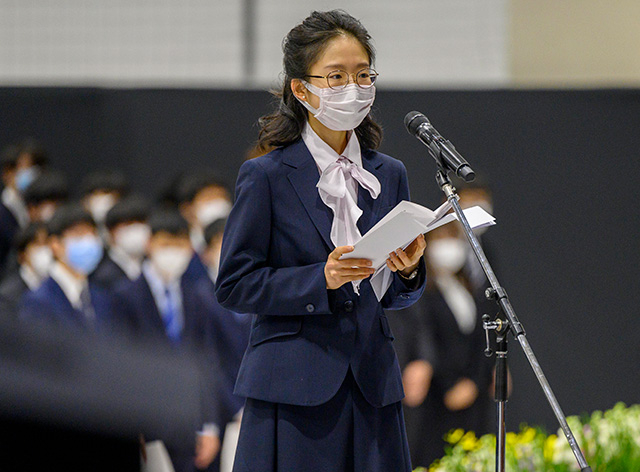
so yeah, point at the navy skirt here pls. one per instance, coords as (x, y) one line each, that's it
(345, 434)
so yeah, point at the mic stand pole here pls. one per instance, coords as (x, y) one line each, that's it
(499, 294)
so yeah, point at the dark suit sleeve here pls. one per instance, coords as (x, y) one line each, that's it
(403, 293)
(246, 283)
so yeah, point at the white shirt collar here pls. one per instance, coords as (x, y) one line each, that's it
(158, 286)
(15, 204)
(70, 285)
(30, 277)
(129, 265)
(324, 155)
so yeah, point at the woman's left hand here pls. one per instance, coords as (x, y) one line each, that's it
(407, 260)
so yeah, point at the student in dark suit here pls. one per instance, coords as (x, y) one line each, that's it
(127, 236)
(100, 191)
(46, 194)
(34, 259)
(449, 387)
(21, 163)
(67, 297)
(230, 331)
(320, 374)
(164, 307)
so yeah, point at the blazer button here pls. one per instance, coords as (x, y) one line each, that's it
(348, 306)
(311, 308)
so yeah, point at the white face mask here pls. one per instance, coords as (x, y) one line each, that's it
(171, 262)
(40, 259)
(99, 206)
(133, 239)
(447, 255)
(47, 211)
(208, 212)
(341, 110)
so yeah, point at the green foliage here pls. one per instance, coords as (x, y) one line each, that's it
(610, 442)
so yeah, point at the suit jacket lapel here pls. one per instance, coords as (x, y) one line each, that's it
(304, 178)
(369, 206)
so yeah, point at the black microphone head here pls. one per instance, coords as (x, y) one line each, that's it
(413, 120)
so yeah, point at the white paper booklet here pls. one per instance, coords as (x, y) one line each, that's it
(399, 228)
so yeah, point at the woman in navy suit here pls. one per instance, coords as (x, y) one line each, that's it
(320, 374)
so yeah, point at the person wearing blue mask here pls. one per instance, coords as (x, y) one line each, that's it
(67, 297)
(320, 373)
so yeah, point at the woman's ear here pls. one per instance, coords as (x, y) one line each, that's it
(298, 89)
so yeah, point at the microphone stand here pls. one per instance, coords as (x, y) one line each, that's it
(502, 328)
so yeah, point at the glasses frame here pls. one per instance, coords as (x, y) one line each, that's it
(355, 78)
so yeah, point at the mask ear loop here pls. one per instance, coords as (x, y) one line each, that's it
(306, 104)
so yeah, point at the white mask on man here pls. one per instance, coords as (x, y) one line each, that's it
(171, 262)
(40, 260)
(447, 255)
(133, 239)
(213, 210)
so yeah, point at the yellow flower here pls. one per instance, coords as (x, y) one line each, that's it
(454, 436)
(527, 436)
(469, 441)
(549, 447)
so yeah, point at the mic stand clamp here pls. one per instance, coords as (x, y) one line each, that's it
(512, 325)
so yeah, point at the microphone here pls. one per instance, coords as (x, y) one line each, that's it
(440, 149)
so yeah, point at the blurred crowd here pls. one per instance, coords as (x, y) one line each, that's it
(100, 258)
(112, 261)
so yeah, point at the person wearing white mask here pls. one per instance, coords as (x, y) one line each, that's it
(47, 192)
(163, 306)
(320, 373)
(67, 297)
(127, 235)
(452, 387)
(20, 163)
(478, 193)
(101, 190)
(34, 259)
(203, 200)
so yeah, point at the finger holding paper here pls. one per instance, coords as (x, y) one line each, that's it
(338, 272)
(406, 261)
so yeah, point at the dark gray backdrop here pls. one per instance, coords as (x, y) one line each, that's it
(563, 165)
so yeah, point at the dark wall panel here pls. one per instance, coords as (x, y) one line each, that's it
(563, 165)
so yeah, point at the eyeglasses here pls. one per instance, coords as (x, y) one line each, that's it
(339, 79)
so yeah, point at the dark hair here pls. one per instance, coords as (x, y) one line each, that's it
(191, 184)
(37, 152)
(302, 47)
(49, 185)
(168, 221)
(9, 158)
(214, 229)
(27, 235)
(108, 181)
(132, 208)
(68, 215)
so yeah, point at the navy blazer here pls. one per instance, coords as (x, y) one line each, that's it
(108, 274)
(304, 338)
(12, 288)
(8, 228)
(135, 302)
(49, 303)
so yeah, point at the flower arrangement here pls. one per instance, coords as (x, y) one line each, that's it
(610, 441)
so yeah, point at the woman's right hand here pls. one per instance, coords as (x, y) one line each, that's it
(338, 272)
